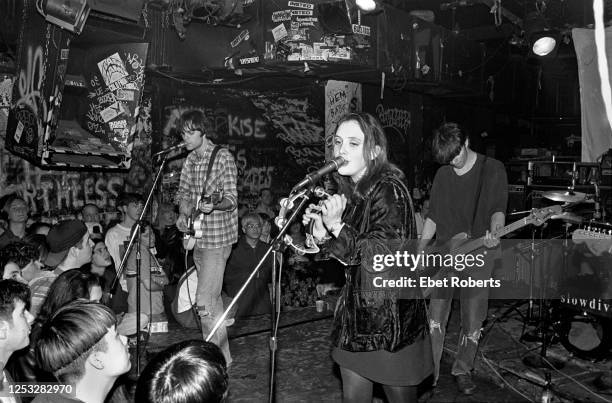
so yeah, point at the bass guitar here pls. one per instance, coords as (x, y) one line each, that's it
(461, 244)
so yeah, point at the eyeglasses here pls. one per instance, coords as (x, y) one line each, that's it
(253, 226)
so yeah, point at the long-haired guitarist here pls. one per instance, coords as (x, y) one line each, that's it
(219, 228)
(469, 195)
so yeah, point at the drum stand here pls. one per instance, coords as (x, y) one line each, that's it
(543, 331)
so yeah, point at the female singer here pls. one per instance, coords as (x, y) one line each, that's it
(379, 334)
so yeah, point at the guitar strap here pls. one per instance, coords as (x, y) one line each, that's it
(211, 161)
(478, 190)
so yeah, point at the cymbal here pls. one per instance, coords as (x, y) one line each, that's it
(567, 217)
(568, 196)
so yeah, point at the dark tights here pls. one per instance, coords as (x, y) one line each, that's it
(357, 389)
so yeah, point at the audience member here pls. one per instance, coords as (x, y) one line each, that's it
(39, 242)
(93, 360)
(91, 218)
(249, 250)
(117, 237)
(15, 321)
(16, 258)
(152, 281)
(169, 242)
(16, 211)
(192, 371)
(69, 286)
(266, 229)
(266, 203)
(69, 248)
(102, 266)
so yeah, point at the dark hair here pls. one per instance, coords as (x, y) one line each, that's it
(9, 200)
(192, 371)
(126, 198)
(36, 226)
(192, 120)
(71, 334)
(447, 142)
(69, 286)
(19, 252)
(90, 205)
(373, 135)
(10, 292)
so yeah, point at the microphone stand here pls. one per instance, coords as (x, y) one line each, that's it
(136, 237)
(274, 247)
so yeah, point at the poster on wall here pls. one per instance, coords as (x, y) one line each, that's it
(341, 98)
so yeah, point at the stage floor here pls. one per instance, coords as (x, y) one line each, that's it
(306, 373)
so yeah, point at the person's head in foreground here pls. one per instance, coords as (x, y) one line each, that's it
(192, 371)
(15, 320)
(79, 344)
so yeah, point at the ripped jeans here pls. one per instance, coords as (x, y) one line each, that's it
(210, 264)
(474, 304)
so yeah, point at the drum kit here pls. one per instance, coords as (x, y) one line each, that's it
(583, 324)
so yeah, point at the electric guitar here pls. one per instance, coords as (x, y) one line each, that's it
(460, 244)
(195, 223)
(597, 240)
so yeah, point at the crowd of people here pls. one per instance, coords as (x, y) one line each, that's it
(74, 280)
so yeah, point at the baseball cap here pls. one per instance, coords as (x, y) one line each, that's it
(61, 237)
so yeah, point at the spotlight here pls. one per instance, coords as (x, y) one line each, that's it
(366, 5)
(544, 43)
(67, 14)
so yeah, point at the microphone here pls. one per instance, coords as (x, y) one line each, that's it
(312, 178)
(176, 147)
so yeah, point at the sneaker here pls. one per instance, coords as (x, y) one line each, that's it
(229, 322)
(465, 384)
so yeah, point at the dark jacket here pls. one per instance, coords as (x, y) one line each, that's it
(368, 318)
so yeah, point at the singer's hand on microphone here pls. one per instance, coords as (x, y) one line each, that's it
(311, 214)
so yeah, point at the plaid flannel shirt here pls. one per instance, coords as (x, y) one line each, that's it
(220, 227)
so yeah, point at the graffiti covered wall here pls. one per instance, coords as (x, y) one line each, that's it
(275, 138)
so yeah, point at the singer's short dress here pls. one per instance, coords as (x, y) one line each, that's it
(379, 333)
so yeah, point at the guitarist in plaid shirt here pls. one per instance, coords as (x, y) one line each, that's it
(469, 195)
(220, 229)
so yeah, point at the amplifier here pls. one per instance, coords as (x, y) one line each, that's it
(516, 198)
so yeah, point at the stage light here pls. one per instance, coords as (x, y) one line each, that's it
(543, 41)
(544, 45)
(366, 5)
(67, 14)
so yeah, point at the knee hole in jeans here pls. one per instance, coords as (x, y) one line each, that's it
(433, 325)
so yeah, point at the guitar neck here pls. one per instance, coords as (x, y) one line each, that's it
(479, 242)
